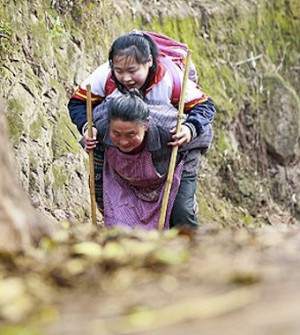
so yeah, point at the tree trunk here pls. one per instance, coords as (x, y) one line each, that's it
(20, 224)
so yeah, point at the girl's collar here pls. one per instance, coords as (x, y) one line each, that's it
(156, 78)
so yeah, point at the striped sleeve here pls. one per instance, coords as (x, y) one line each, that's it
(97, 80)
(81, 94)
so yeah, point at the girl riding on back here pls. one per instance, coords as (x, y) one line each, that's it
(134, 62)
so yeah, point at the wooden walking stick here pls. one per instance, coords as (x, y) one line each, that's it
(91, 154)
(169, 180)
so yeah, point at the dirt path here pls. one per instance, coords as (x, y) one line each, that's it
(231, 282)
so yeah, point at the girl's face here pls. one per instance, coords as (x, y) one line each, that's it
(130, 73)
(127, 135)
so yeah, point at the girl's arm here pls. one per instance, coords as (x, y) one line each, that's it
(77, 111)
(77, 103)
(200, 116)
(198, 107)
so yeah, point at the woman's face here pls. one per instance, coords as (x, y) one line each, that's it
(127, 135)
(130, 73)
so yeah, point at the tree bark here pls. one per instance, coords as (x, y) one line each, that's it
(21, 226)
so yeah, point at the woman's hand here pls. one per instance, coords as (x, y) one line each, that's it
(181, 138)
(90, 143)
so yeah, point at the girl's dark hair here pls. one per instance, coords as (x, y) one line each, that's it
(137, 45)
(128, 107)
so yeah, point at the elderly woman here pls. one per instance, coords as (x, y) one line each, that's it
(138, 144)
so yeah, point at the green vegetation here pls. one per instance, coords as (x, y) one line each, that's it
(5, 37)
(36, 130)
(60, 178)
(63, 140)
(14, 119)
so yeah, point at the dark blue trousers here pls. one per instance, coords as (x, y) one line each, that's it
(184, 209)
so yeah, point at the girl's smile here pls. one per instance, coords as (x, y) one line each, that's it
(130, 73)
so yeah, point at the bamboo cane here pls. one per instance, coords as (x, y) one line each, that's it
(169, 180)
(91, 155)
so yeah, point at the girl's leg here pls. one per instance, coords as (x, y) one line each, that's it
(184, 209)
(98, 166)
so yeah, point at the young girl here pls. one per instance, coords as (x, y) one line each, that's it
(135, 136)
(134, 62)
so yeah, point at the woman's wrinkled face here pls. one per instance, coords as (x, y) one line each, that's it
(127, 135)
(130, 73)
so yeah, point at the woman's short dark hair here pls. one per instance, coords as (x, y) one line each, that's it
(128, 107)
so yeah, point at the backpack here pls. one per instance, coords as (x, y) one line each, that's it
(172, 53)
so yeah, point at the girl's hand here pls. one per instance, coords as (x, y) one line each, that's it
(90, 143)
(181, 138)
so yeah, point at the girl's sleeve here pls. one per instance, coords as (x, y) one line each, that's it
(97, 80)
(199, 108)
(77, 103)
(77, 111)
(200, 116)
